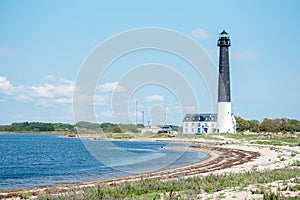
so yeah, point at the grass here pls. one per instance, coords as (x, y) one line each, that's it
(268, 139)
(296, 163)
(129, 135)
(277, 196)
(119, 136)
(180, 188)
(241, 136)
(200, 136)
(294, 188)
(280, 142)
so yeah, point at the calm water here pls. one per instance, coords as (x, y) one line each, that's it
(31, 160)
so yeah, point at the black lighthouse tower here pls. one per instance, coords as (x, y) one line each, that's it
(226, 121)
(224, 77)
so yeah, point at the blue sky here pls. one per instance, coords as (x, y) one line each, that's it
(43, 44)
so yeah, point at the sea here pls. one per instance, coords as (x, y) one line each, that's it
(34, 160)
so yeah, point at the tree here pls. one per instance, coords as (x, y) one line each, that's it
(107, 127)
(117, 129)
(87, 125)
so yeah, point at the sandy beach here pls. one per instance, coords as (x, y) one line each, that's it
(225, 155)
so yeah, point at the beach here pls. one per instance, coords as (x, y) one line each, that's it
(225, 156)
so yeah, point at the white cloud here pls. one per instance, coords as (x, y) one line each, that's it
(201, 34)
(155, 97)
(63, 89)
(111, 87)
(4, 85)
(46, 94)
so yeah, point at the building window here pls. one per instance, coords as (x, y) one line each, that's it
(199, 124)
(186, 130)
(199, 130)
(193, 124)
(192, 130)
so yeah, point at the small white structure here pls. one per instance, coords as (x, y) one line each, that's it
(156, 129)
(150, 129)
(199, 123)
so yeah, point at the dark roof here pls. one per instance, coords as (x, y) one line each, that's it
(165, 126)
(224, 32)
(207, 117)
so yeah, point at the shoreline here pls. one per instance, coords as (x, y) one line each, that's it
(218, 158)
(228, 156)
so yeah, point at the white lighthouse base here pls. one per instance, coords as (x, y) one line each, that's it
(226, 121)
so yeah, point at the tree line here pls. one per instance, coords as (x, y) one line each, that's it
(268, 125)
(49, 127)
(36, 127)
(107, 127)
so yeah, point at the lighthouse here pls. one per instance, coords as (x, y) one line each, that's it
(225, 121)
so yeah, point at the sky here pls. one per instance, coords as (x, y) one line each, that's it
(45, 44)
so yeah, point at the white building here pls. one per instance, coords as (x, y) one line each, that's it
(156, 129)
(150, 129)
(199, 123)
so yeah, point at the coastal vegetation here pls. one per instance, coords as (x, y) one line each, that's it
(277, 139)
(268, 125)
(36, 127)
(190, 188)
(64, 127)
